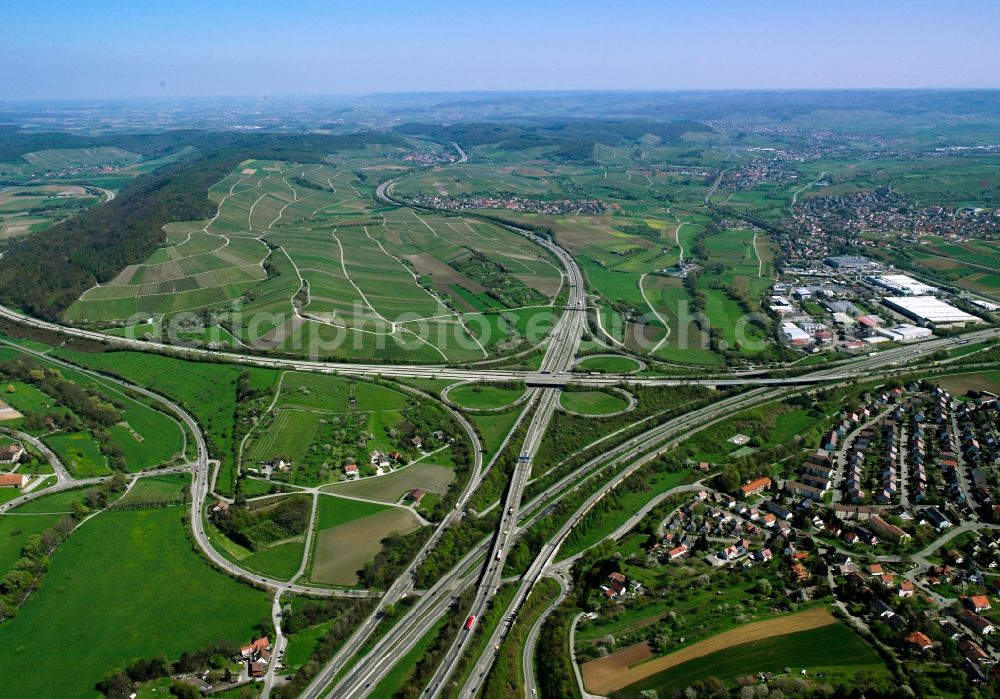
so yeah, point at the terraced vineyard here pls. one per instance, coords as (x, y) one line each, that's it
(298, 259)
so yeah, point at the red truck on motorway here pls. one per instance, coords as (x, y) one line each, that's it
(470, 621)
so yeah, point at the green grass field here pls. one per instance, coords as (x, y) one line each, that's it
(334, 511)
(80, 453)
(592, 402)
(166, 488)
(302, 644)
(126, 585)
(280, 560)
(484, 396)
(494, 427)
(608, 364)
(146, 436)
(206, 390)
(14, 532)
(829, 649)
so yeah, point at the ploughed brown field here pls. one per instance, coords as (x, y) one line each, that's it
(631, 664)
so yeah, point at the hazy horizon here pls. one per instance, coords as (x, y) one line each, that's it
(66, 51)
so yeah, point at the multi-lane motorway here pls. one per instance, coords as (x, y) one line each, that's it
(566, 338)
(482, 567)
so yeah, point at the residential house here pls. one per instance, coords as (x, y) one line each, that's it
(887, 530)
(11, 453)
(755, 486)
(13, 480)
(920, 640)
(977, 603)
(973, 651)
(803, 490)
(253, 651)
(975, 622)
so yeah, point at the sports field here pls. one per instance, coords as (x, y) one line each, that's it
(296, 257)
(126, 585)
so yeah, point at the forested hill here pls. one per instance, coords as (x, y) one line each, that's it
(46, 272)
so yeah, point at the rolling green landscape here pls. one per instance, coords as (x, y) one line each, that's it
(548, 393)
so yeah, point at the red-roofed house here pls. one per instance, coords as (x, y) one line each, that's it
(254, 650)
(677, 552)
(920, 640)
(977, 603)
(13, 480)
(755, 486)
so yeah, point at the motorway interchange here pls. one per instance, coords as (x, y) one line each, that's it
(346, 675)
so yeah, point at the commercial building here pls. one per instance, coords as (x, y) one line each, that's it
(928, 309)
(905, 333)
(795, 334)
(985, 305)
(902, 284)
(848, 262)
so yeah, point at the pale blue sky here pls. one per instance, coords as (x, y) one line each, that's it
(127, 48)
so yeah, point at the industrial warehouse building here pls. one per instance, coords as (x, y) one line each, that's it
(848, 262)
(905, 333)
(927, 309)
(902, 284)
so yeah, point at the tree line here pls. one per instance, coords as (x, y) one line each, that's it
(25, 575)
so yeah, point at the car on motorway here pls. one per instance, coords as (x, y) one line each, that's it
(470, 621)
